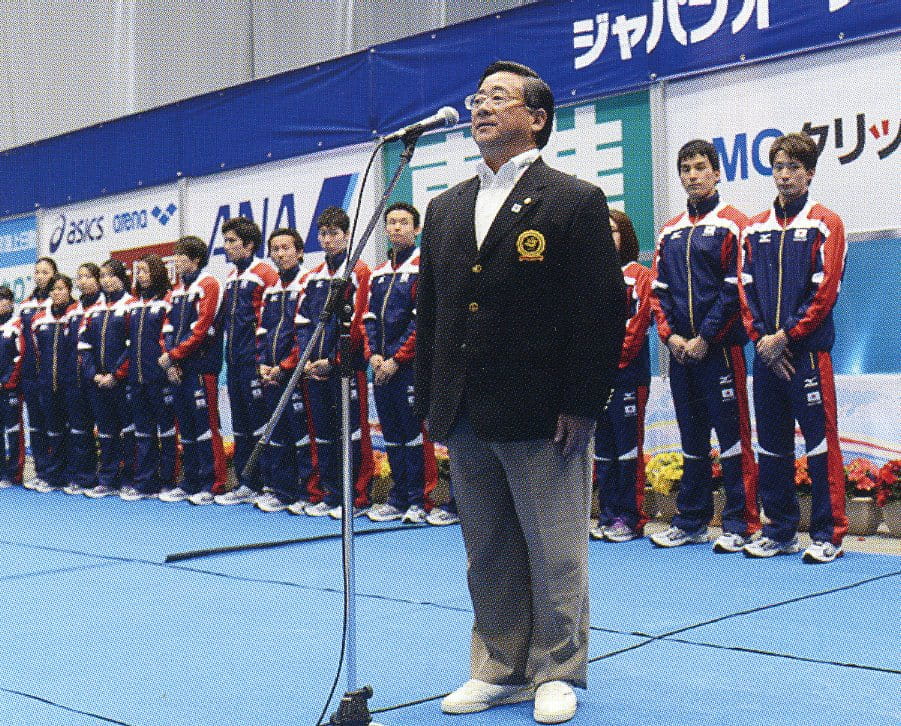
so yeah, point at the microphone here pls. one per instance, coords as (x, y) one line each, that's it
(446, 116)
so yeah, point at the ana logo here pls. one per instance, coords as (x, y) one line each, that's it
(164, 215)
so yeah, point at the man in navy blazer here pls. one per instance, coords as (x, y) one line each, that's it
(521, 310)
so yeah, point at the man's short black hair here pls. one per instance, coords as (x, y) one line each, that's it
(194, 247)
(797, 146)
(288, 232)
(698, 147)
(536, 92)
(406, 207)
(6, 293)
(247, 230)
(334, 217)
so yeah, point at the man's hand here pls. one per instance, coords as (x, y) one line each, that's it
(105, 380)
(173, 373)
(386, 371)
(318, 369)
(376, 361)
(770, 347)
(696, 348)
(573, 432)
(676, 345)
(783, 367)
(164, 361)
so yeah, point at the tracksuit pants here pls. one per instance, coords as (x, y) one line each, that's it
(197, 413)
(248, 409)
(37, 426)
(325, 406)
(12, 443)
(155, 451)
(115, 428)
(712, 394)
(53, 405)
(286, 464)
(411, 455)
(809, 399)
(81, 467)
(619, 458)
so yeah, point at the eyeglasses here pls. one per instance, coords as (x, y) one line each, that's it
(792, 166)
(475, 101)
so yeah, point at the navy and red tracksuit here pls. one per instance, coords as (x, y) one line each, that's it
(193, 341)
(792, 267)
(81, 467)
(152, 396)
(325, 396)
(390, 323)
(241, 304)
(12, 435)
(50, 334)
(104, 345)
(696, 288)
(287, 463)
(619, 438)
(28, 382)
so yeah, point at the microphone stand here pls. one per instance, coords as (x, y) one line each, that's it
(353, 709)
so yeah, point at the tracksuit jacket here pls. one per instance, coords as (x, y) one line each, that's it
(28, 375)
(12, 443)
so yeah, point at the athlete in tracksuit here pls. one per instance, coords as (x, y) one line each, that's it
(50, 337)
(698, 318)
(241, 305)
(104, 344)
(152, 397)
(390, 323)
(12, 436)
(324, 383)
(793, 263)
(192, 360)
(619, 438)
(44, 269)
(81, 472)
(287, 461)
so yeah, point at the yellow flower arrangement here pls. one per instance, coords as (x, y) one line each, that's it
(664, 472)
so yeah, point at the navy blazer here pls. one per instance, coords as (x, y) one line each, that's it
(527, 327)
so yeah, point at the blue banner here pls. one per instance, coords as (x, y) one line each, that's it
(585, 49)
(18, 252)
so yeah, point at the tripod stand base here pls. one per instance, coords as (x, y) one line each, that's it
(353, 710)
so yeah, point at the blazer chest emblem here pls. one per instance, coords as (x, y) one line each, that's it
(531, 245)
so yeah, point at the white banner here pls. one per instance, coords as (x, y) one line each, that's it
(288, 193)
(845, 98)
(121, 226)
(18, 252)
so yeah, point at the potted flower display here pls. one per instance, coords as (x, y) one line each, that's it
(861, 488)
(888, 495)
(663, 473)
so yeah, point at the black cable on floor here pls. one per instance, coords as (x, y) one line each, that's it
(47, 701)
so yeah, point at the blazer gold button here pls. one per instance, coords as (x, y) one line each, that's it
(476, 268)
(473, 307)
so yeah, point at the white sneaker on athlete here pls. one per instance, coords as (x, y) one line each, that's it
(132, 494)
(414, 515)
(766, 547)
(30, 483)
(100, 491)
(475, 695)
(298, 507)
(73, 488)
(176, 494)
(203, 497)
(729, 542)
(676, 537)
(597, 532)
(317, 510)
(43, 486)
(384, 513)
(337, 512)
(242, 495)
(270, 502)
(555, 702)
(822, 553)
(619, 531)
(5, 483)
(439, 517)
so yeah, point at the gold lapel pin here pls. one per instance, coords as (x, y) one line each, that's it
(516, 207)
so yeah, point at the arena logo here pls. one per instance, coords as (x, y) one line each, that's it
(139, 219)
(76, 231)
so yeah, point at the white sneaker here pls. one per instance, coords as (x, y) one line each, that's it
(270, 502)
(729, 542)
(43, 486)
(74, 488)
(242, 495)
(131, 494)
(439, 517)
(675, 537)
(5, 483)
(100, 491)
(555, 702)
(337, 512)
(202, 497)
(475, 695)
(384, 513)
(822, 553)
(414, 515)
(30, 483)
(317, 510)
(298, 507)
(766, 547)
(176, 494)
